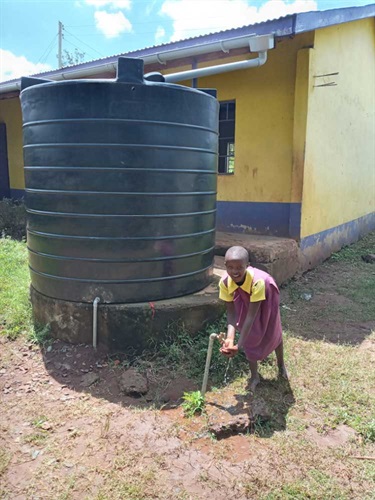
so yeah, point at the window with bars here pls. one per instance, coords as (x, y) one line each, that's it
(227, 118)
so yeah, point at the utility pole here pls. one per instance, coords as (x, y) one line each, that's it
(60, 36)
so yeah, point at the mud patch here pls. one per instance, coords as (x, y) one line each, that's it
(229, 414)
(333, 438)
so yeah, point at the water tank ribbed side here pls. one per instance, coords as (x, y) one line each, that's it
(120, 189)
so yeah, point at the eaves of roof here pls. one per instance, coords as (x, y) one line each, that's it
(290, 25)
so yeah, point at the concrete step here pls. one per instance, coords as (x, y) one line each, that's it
(277, 256)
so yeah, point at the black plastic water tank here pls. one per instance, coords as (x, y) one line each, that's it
(120, 187)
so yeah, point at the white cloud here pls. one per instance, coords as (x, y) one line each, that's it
(160, 33)
(197, 18)
(112, 25)
(278, 8)
(13, 66)
(114, 4)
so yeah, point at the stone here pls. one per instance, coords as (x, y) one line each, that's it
(369, 258)
(89, 379)
(229, 414)
(237, 425)
(133, 383)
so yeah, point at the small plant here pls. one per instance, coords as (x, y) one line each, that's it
(5, 457)
(368, 431)
(193, 403)
(40, 335)
(39, 421)
(37, 438)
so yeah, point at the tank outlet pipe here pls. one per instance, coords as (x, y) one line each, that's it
(213, 336)
(215, 70)
(95, 322)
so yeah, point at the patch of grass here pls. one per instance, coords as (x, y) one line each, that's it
(362, 295)
(4, 460)
(335, 381)
(39, 421)
(128, 478)
(37, 438)
(186, 355)
(367, 430)
(353, 253)
(193, 403)
(317, 485)
(40, 335)
(15, 308)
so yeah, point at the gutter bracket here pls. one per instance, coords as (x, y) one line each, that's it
(223, 48)
(160, 61)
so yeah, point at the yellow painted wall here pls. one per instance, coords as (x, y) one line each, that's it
(301, 98)
(264, 124)
(339, 171)
(10, 114)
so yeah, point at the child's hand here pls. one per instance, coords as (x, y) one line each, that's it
(228, 349)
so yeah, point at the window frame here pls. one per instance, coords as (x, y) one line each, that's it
(229, 140)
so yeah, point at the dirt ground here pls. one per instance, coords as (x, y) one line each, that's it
(68, 432)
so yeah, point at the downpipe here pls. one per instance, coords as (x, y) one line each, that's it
(95, 322)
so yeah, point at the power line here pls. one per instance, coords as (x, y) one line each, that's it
(84, 43)
(74, 45)
(49, 48)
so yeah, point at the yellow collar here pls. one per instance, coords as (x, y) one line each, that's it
(246, 285)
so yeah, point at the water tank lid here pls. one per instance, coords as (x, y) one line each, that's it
(155, 76)
(129, 70)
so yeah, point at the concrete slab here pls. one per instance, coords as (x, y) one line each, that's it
(127, 326)
(277, 256)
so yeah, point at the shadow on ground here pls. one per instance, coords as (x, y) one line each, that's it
(83, 369)
(332, 303)
(262, 413)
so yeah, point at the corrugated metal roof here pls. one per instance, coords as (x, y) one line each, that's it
(281, 27)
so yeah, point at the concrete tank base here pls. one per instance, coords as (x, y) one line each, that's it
(124, 326)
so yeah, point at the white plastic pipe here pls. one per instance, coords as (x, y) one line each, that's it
(215, 70)
(95, 322)
(259, 44)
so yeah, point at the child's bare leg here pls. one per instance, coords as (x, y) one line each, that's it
(280, 361)
(254, 379)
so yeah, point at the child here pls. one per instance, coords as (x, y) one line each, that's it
(252, 299)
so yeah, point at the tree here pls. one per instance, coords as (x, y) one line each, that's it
(72, 58)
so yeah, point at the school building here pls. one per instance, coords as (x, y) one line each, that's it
(296, 146)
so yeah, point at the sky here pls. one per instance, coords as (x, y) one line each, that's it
(93, 29)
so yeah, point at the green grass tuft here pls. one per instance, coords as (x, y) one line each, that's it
(5, 458)
(187, 355)
(193, 403)
(353, 253)
(15, 308)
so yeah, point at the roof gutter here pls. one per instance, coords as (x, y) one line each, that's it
(215, 70)
(255, 43)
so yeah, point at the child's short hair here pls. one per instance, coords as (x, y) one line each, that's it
(236, 253)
